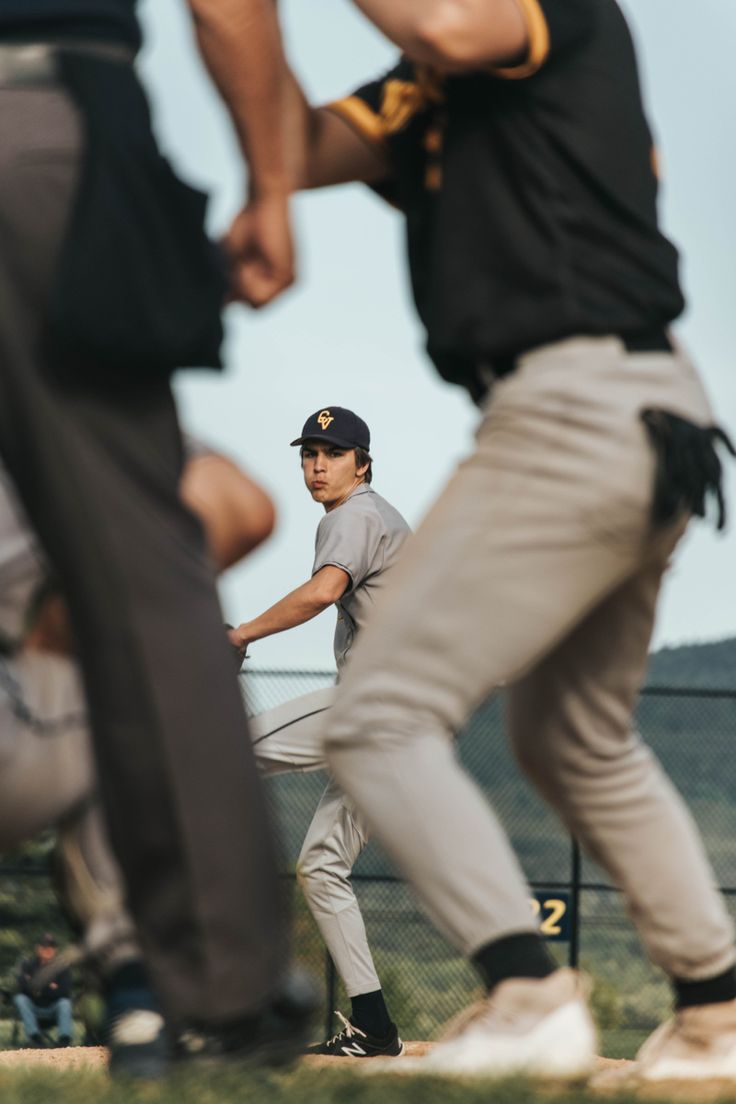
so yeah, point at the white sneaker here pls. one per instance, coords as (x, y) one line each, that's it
(698, 1043)
(538, 1027)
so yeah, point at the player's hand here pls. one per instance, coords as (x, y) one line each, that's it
(240, 640)
(260, 250)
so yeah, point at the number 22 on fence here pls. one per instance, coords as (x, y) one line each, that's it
(553, 913)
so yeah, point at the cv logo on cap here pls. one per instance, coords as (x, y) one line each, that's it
(325, 418)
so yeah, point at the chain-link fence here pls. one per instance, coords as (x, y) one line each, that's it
(425, 982)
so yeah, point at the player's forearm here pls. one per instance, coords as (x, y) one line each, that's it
(324, 150)
(240, 42)
(296, 608)
(299, 121)
(451, 35)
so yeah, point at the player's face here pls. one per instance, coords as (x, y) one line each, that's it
(330, 472)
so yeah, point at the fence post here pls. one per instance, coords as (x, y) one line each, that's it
(331, 986)
(575, 903)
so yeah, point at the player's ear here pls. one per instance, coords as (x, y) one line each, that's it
(362, 463)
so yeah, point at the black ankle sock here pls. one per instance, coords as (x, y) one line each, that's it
(523, 955)
(131, 975)
(370, 1014)
(128, 987)
(714, 990)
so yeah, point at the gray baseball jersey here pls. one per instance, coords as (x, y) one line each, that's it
(363, 536)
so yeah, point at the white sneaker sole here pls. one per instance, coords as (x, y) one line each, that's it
(561, 1046)
(682, 1069)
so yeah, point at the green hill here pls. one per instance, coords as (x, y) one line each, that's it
(711, 665)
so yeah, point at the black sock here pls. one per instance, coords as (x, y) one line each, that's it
(370, 1014)
(128, 987)
(714, 990)
(523, 956)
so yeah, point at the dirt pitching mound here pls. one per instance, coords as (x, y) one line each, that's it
(60, 1058)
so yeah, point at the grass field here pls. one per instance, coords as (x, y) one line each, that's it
(313, 1086)
(299, 1087)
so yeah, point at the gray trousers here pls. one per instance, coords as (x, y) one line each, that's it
(290, 738)
(538, 568)
(47, 779)
(97, 472)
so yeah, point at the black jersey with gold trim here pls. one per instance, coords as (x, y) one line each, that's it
(529, 192)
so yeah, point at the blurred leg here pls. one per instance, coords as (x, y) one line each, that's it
(27, 1013)
(547, 518)
(98, 474)
(570, 722)
(290, 736)
(64, 1023)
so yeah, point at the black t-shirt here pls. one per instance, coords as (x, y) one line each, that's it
(96, 20)
(61, 986)
(529, 193)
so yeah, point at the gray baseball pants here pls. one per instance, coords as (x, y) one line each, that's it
(47, 779)
(290, 738)
(98, 472)
(537, 567)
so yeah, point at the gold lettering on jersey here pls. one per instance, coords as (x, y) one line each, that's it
(325, 418)
(402, 100)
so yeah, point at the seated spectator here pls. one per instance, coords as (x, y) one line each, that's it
(49, 1004)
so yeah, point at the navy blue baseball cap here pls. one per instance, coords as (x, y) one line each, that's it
(338, 426)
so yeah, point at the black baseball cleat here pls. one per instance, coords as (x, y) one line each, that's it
(134, 1031)
(352, 1042)
(273, 1037)
(138, 1045)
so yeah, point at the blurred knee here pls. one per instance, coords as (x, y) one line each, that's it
(237, 514)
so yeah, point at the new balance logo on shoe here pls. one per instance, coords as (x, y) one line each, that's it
(352, 1042)
(355, 1049)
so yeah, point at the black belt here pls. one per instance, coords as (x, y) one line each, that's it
(30, 64)
(647, 341)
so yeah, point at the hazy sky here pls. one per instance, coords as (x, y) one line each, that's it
(347, 335)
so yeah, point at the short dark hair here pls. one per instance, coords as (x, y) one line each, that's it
(363, 457)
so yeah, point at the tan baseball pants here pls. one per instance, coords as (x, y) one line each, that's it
(537, 567)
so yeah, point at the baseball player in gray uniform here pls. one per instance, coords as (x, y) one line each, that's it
(357, 544)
